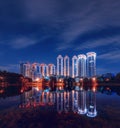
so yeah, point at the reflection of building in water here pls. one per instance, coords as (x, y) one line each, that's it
(51, 98)
(25, 98)
(82, 102)
(74, 101)
(64, 101)
(92, 103)
(59, 102)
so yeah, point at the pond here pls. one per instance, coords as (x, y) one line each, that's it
(82, 100)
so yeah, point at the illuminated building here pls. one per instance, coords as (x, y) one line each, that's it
(66, 66)
(25, 69)
(35, 71)
(51, 69)
(60, 65)
(74, 67)
(91, 64)
(81, 65)
(44, 70)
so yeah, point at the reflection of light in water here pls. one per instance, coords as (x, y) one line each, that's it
(82, 102)
(59, 102)
(77, 88)
(74, 101)
(92, 103)
(64, 101)
(37, 89)
(94, 89)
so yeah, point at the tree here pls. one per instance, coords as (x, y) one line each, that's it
(118, 76)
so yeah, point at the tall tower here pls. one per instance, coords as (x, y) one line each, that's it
(91, 64)
(60, 65)
(44, 70)
(25, 69)
(66, 66)
(74, 66)
(51, 69)
(81, 65)
(35, 71)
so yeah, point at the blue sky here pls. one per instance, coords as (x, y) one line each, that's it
(40, 30)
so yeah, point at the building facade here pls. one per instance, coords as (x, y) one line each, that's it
(51, 69)
(60, 65)
(66, 66)
(25, 69)
(91, 64)
(82, 65)
(74, 66)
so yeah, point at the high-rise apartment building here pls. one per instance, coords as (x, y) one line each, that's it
(25, 69)
(66, 66)
(74, 66)
(81, 65)
(35, 71)
(91, 64)
(44, 70)
(51, 69)
(60, 65)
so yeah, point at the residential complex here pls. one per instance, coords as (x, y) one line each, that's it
(82, 66)
(37, 70)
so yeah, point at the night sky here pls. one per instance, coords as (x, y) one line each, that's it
(40, 30)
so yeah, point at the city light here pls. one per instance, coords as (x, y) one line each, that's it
(37, 79)
(94, 79)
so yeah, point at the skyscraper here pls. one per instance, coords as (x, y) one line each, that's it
(51, 69)
(25, 69)
(74, 67)
(81, 65)
(60, 65)
(35, 71)
(66, 66)
(44, 70)
(91, 64)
